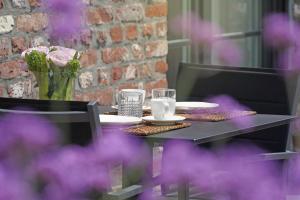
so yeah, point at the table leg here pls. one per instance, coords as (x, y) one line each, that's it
(183, 191)
(138, 176)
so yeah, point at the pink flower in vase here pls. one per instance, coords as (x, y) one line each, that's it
(60, 56)
(40, 49)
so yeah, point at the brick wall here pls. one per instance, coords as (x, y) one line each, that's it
(124, 46)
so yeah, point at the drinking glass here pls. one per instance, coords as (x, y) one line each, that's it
(163, 103)
(130, 103)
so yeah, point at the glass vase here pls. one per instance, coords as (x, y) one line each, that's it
(55, 85)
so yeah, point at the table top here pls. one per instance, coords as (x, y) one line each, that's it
(203, 132)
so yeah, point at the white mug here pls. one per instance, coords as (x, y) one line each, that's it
(161, 108)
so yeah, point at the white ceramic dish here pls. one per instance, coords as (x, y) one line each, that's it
(119, 120)
(167, 121)
(145, 108)
(195, 105)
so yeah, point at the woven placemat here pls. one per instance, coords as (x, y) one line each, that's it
(216, 116)
(148, 129)
(211, 116)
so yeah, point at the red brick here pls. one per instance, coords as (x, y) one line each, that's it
(116, 34)
(32, 23)
(18, 44)
(86, 37)
(2, 90)
(89, 58)
(161, 29)
(148, 30)
(4, 47)
(137, 51)
(156, 48)
(102, 96)
(117, 73)
(104, 76)
(157, 10)
(145, 71)
(1, 4)
(102, 38)
(99, 15)
(35, 3)
(131, 32)
(162, 83)
(128, 85)
(10, 69)
(111, 55)
(161, 66)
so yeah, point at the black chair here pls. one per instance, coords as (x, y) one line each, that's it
(78, 122)
(261, 89)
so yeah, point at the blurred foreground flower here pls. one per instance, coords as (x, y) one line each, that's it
(26, 134)
(281, 32)
(206, 34)
(65, 18)
(115, 148)
(229, 106)
(73, 171)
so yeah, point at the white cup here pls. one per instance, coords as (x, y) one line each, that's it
(162, 108)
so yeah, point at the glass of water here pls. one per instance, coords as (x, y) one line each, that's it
(130, 103)
(163, 103)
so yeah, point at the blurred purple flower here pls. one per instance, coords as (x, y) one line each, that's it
(205, 33)
(74, 171)
(229, 53)
(293, 178)
(26, 132)
(65, 18)
(289, 60)
(241, 171)
(280, 31)
(13, 187)
(182, 161)
(116, 147)
(231, 107)
(200, 31)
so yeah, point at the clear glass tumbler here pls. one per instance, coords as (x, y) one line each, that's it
(163, 103)
(130, 103)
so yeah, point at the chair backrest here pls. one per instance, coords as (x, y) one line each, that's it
(261, 89)
(78, 121)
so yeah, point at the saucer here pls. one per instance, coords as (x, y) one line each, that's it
(189, 106)
(170, 120)
(119, 120)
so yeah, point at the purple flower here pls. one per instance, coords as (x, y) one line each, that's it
(13, 187)
(74, 171)
(65, 18)
(229, 53)
(280, 32)
(241, 171)
(26, 132)
(40, 49)
(293, 169)
(231, 107)
(200, 31)
(114, 148)
(182, 161)
(289, 60)
(60, 56)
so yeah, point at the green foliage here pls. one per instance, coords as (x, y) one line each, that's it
(72, 68)
(36, 61)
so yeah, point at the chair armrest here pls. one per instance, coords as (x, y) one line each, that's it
(278, 156)
(125, 193)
